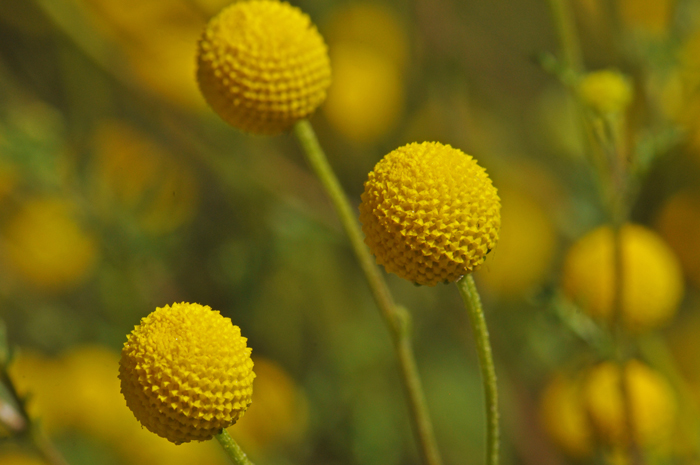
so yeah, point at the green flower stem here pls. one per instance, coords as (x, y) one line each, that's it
(397, 319)
(233, 450)
(472, 302)
(566, 31)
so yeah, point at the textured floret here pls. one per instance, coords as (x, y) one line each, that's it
(430, 213)
(186, 372)
(262, 66)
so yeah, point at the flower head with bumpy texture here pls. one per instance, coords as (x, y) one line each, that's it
(430, 213)
(262, 66)
(186, 372)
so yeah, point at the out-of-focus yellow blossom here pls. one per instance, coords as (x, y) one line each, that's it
(647, 16)
(605, 91)
(158, 39)
(651, 400)
(679, 224)
(564, 417)
(369, 50)
(525, 249)
(94, 393)
(137, 174)
(47, 385)
(372, 26)
(18, 458)
(142, 447)
(46, 246)
(366, 96)
(279, 414)
(652, 282)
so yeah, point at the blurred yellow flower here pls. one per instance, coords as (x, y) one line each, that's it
(136, 174)
(372, 26)
(47, 246)
(652, 282)
(47, 385)
(279, 414)
(605, 91)
(526, 246)
(651, 399)
(647, 16)
(366, 97)
(94, 393)
(19, 458)
(158, 39)
(679, 224)
(369, 50)
(564, 417)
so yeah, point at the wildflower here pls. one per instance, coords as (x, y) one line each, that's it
(526, 246)
(679, 224)
(430, 213)
(605, 91)
(652, 283)
(186, 372)
(47, 246)
(651, 401)
(564, 416)
(279, 415)
(262, 66)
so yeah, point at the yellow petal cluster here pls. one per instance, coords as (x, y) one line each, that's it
(652, 281)
(186, 372)
(605, 91)
(262, 66)
(430, 213)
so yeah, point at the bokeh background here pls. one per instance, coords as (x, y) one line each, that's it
(120, 191)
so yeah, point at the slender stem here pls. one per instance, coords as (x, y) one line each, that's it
(46, 448)
(233, 450)
(566, 30)
(472, 302)
(396, 318)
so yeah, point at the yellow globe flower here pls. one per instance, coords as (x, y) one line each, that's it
(279, 415)
(563, 415)
(605, 91)
(430, 213)
(366, 97)
(19, 458)
(651, 399)
(526, 244)
(186, 372)
(46, 385)
(262, 66)
(47, 246)
(652, 283)
(679, 224)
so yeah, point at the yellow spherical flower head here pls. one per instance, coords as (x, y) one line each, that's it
(186, 372)
(652, 281)
(262, 66)
(652, 404)
(430, 213)
(563, 415)
(605, 91)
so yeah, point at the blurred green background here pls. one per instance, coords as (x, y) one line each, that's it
(120, 191)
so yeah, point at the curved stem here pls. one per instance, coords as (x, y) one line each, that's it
(233, 450)
(472, 302)
(397, 319)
